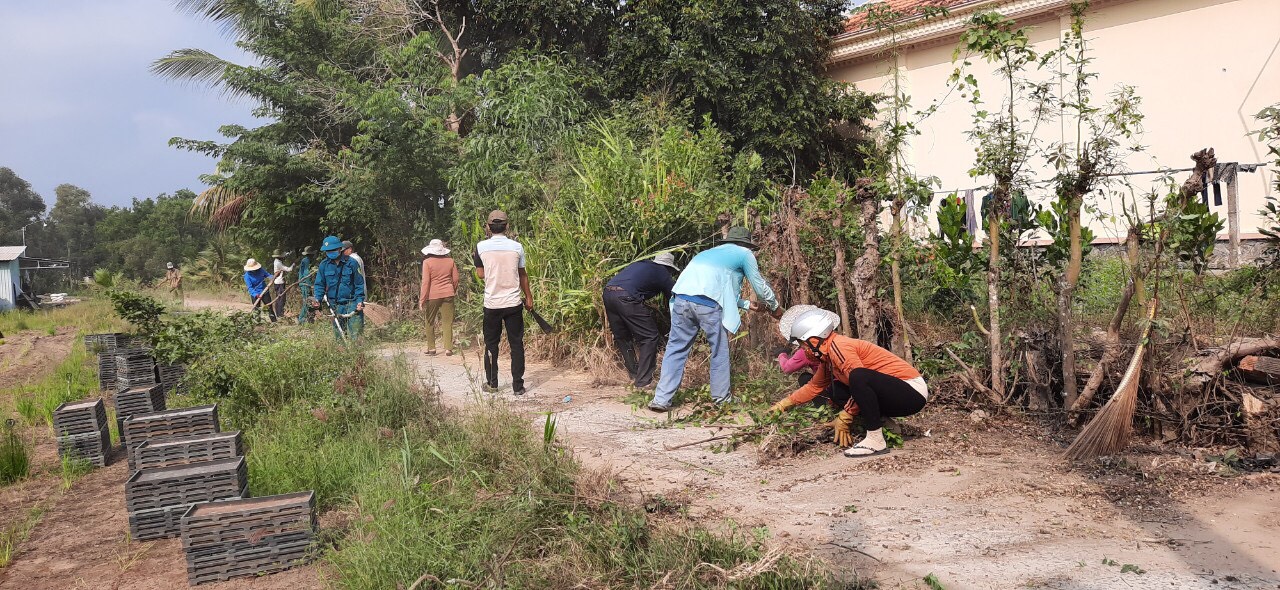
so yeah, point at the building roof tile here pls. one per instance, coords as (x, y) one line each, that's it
(908, 8)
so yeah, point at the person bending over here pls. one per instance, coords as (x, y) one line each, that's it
(864, 378)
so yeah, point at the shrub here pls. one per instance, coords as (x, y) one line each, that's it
(15, 459)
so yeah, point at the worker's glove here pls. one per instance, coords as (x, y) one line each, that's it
(841, 426)
(315, 304)
(783, 405)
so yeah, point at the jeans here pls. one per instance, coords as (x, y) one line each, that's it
(351, 326)
(635, 331)
(494, 320)
(687, 318)
(443, 308)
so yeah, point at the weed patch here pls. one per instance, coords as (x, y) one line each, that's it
(14, 535)
(74, 378)
(15, 458)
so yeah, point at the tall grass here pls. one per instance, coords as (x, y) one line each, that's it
(15, 459)
(475, 496)
(89, 316)
(76, 377)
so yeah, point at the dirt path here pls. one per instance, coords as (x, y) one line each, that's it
(83, 542)
(978, 505)
(81, 539)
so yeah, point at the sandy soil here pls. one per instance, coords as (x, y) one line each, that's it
(977, 504)
(81, 540)
(28, 355)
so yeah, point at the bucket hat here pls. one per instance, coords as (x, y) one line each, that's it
(741, 236)
(668, 260)
(436, 248)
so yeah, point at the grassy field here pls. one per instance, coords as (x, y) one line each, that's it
(433, 494)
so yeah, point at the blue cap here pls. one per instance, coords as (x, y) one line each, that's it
(331, 243)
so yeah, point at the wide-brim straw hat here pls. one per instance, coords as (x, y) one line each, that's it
(435, 248)
(251, 265)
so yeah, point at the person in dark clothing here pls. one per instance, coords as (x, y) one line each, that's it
(635, 330)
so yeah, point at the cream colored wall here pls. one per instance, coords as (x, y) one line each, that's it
(1203, 68)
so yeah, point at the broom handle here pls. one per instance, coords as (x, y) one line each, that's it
(1135, 363)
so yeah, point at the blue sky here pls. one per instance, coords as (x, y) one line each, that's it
(78, 104)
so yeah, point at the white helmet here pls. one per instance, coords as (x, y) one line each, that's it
(802, 322)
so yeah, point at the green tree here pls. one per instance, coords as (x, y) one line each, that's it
(19, 205)
(1004, 141)
(756, 68)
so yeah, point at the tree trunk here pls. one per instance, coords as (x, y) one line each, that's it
(838, 274)
(993, 288)
(791, 225)
(1066, 295)
(1204, 160)
(866, 268)
(1132, 253)
(901, 340)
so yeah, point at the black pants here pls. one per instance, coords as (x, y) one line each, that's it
(878, 395)
(513, 319)
(264, 302)
(635, 332)
(277, 302)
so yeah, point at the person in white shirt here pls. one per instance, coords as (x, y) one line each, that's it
(278, 290)
(499, 263)
(350, 251)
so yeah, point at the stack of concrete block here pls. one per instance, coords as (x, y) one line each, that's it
(134, 367)
(106, 342)
(143, 399)
(106, 346)
(140, 428)
(82, 431)
(156, 499)
(171, 377)
(171, 452)
(107, 371)
(237, 538)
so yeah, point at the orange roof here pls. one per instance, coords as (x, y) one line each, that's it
(908, 8)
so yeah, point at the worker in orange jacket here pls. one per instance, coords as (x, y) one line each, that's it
(867, 380)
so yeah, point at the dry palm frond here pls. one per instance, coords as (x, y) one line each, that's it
(222, 207)
(1110, 429)
(378, 315)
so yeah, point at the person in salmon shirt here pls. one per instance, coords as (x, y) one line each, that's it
(866, 379)
(435, 295)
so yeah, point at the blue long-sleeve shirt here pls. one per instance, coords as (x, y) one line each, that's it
(256, 281)
(717, 274)
(304, 269)
(340, 280)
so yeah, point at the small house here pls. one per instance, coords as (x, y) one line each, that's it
(10, 279)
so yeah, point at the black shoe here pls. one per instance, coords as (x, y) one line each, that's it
(660, 408)
(518, 389)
